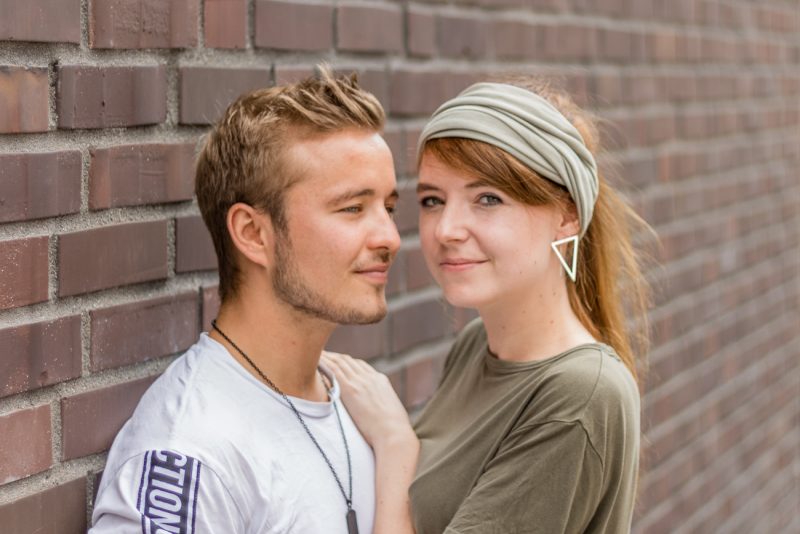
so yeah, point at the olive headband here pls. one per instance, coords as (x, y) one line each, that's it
(529, 128)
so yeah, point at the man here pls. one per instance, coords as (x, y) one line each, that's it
(243, 433)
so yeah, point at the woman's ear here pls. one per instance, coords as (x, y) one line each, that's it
(569, 223)
(251, 232)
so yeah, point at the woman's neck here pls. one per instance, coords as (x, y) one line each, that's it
(533, 326)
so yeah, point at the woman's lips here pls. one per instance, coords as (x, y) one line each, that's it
(459, 264)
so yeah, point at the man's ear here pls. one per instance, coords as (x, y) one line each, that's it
(569, 223)
(251, 232)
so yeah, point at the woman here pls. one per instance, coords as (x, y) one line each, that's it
(535, 424)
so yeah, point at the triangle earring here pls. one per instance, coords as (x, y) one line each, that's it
(570, 269)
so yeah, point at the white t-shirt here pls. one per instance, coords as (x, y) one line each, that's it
(210, 449)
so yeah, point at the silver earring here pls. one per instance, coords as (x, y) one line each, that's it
(570, 269)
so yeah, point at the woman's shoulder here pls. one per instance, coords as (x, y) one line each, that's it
(587, 384)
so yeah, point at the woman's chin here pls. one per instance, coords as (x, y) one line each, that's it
(462, 298)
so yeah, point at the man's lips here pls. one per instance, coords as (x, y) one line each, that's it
(459, 264)
(377, 273)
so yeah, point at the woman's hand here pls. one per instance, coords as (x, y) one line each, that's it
(383, 421)
(371, 401)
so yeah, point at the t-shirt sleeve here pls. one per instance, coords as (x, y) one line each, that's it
(545, 478)
(164, 491)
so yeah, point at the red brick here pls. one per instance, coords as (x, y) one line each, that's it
(23, 272)
(420, 32)
(225, 23)
(141, 331)
(359, 341)
(210, 306)
(35, 186)
(58, 510)
(89, 421)
(518, 40)
(616, 45)
(107, 257)
(132, 175)
(421, 92)
(24, 99)
(205, 92)
(463, 37)
(52, 21)
(40, 354)
(293, 26)
(106, 97)
(415, 324)
(195, 250)
(25, 443)
(143, 23)
(369, 29)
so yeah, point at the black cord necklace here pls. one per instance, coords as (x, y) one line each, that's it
(352, 525)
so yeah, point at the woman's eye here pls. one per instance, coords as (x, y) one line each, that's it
(489, 200)
(429, 202)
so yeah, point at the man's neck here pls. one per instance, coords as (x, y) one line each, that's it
(283, 343)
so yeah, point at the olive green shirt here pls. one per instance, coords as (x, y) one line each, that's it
(548, 446)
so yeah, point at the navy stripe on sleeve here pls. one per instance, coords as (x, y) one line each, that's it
(168, 493)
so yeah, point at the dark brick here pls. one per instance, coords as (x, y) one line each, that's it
(225, 23)
(359, 341)
(205, 92)
(25, 443)
(369, 29)
(23, 272)
(422, 377)
(396, 140)
(34, 186)
(141, 331)
(143, 23)
(420, 32)
(51, 21)
(195, 250)
(415, 324)
(210, 306)
(112, 256)
(417, 274)
(58, 510)
(407, 215)
(24, 99)
(40, 354)
(463, 37)
(89, 421)
(106, 97)
(286, 74)
(132, 175)
(293, 26)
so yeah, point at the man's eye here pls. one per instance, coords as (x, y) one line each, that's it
(429, 202)
(489, 200)
(391, 209)
(352, 209)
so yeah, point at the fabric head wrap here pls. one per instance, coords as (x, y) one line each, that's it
(529, 128)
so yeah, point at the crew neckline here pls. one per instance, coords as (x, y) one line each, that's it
(499, 366)
(304, 406)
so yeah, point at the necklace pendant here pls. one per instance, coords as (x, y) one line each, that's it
(352, 524)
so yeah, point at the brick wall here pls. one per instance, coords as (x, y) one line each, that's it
(106, 272)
